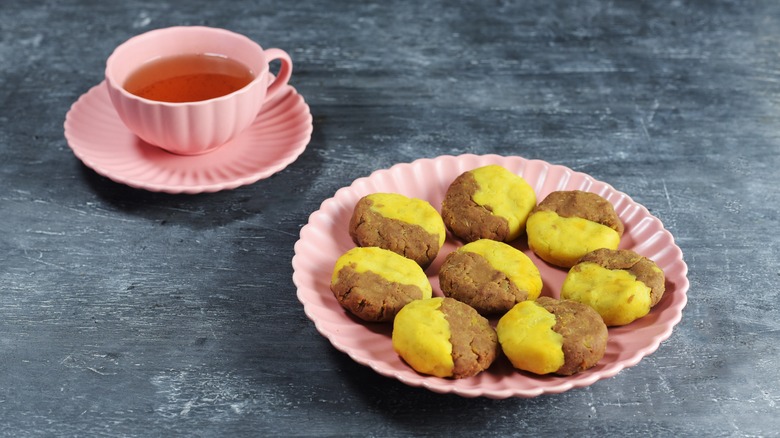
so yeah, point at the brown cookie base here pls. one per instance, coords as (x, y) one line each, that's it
(369, 228)
(474, 342)
(370, 296)
(585, 205)
(468, 277)
(584, 334)
(465, 218)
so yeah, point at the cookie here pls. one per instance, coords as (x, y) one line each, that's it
(489, 276)
(488, 202)
(550, 336)
(374, 283)
(621, 285)
(407, 226)
(566, 225)
(444, 337)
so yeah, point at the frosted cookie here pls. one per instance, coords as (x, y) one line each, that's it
(550, 336)
(620, 285)
(489, 276)
(489, 202)
(444, 337)
(566, 225)
(407, 226)
(375, 283)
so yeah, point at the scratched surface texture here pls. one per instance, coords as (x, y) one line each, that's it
(130, 313)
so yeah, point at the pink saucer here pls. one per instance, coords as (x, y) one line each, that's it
(102, 142)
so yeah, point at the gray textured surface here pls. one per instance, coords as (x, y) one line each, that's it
(128, 313)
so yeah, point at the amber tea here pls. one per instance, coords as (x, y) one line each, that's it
(188, 78)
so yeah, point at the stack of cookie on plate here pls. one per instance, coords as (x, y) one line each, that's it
(488, 209)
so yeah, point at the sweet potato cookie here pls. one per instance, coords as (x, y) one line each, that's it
(375, 283)
(489, 276)
(620, 285)
(407, 226)
(444, 337)
(552, 336)
(489, 202)
(566, 225)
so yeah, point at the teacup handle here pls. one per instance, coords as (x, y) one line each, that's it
(284, 72)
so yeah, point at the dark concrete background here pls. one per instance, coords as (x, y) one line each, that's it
(130, 313)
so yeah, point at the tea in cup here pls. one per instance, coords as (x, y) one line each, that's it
(191, 89)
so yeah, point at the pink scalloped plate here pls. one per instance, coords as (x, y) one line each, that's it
(325, 237)
(102, 142)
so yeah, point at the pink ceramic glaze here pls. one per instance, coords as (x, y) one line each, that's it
(325, 237)
(193, 128)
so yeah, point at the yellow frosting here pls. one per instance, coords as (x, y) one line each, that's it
(564, 240)
(527, 338)
(511, 261)
(421, 336)
(410, 210)
(615, 294)
(508, 196)
(389, 265)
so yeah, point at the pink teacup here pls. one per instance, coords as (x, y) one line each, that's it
(191, 128)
